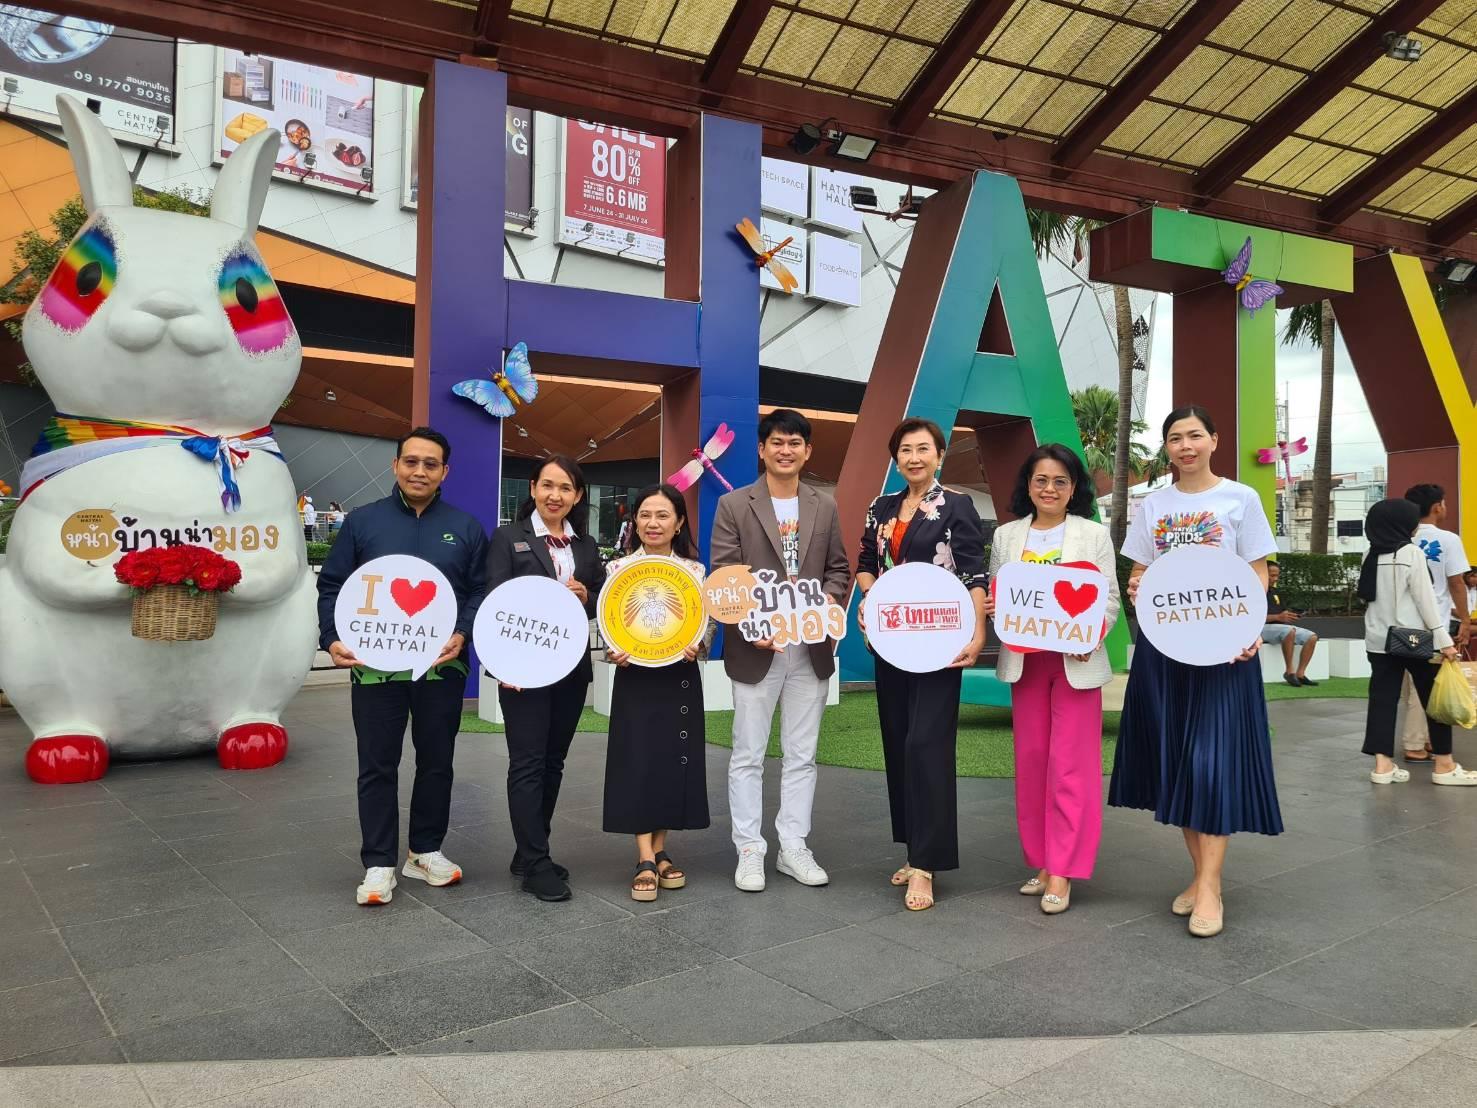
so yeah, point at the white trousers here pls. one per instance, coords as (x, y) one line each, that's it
(1413, 733)
(792, 684)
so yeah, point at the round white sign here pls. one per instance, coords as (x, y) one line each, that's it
(396, 613)
(531, 632)
(919, 617)
(1201, 605)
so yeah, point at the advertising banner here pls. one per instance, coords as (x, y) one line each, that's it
(784, 187)
(1201, 605)
(774, 232)
(835, 269)
(325, 116)
(131, 74)
(614, 194)
(1050, 607)
(830, 200)
(518, 198)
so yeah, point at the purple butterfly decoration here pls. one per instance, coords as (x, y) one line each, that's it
(1255, 293)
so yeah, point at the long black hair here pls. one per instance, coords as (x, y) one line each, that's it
(1083, 492)
(579, 515)
(682, 544)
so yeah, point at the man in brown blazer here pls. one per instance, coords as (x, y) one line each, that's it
(779, 524)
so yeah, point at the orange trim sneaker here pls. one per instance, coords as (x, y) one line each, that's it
(378, 887)
(434, 868)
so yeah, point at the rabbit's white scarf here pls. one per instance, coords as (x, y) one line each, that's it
(68, 441)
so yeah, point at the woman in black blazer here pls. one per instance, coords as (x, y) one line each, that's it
(548, 539)
(919, 712)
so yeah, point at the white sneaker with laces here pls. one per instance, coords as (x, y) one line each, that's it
(750, 873)
(800, 863)
(378, 886)
(434, 868)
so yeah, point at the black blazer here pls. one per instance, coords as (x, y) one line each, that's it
(945, 530)
(515, 551)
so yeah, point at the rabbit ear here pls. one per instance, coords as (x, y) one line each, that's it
(99, 162)
(241, 188)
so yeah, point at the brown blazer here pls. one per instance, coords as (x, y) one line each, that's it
(746, 532)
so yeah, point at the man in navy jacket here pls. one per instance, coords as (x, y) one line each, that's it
(412, 520)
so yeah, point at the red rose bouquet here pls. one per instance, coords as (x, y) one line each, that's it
(176, 590)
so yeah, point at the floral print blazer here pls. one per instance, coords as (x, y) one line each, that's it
(945, 531)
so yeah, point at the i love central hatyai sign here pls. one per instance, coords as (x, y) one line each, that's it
(1050, 607)
(396, 613)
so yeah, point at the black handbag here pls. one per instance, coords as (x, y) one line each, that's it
(1410, 642)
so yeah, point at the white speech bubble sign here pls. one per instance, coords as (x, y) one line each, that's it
(531, 632)
(919, 617)
(1049, 607)
(396, 613)
(789, 612)
(1201, 605)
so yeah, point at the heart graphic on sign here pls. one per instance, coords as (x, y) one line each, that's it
(1074, 599)
(412, 598)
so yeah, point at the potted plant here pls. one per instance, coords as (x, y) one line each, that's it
(176, 590)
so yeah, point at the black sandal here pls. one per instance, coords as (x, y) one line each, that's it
(664, 877)
(644, 888)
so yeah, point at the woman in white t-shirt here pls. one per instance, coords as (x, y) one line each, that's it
(1193, 745)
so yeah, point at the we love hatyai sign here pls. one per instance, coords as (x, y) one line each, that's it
(1047, 607)
(396, 613)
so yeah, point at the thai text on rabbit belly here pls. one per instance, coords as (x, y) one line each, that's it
(389, 634)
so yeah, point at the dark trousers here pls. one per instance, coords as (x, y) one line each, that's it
(434, 711)
(540, 726)
(1385, 674)
(919, 714)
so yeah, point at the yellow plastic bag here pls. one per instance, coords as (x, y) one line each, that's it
(1451, 697)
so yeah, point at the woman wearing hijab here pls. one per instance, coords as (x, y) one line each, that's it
(1396, 586)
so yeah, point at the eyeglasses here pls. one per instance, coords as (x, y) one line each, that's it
(1060, 484)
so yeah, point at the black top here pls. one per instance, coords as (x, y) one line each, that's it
(515, 551)
(945, 531)
(449, 538)
(1274, 603)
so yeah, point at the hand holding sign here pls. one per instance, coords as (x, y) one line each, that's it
(1202, 605)
(395, 613)
(1050, 607)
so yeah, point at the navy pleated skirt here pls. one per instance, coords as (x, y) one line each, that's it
(1194, 747)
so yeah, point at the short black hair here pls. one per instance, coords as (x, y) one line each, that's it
(912, 424)
(1083, 492)
(785, 420)
(1187, 411)
(1425, 497)
(430, 434)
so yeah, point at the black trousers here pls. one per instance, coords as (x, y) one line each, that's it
(919, 714)
(540, 726)
(434, 711)
(1385, 674)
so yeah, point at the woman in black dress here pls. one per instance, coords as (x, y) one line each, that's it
(548, 539)
(655, 769)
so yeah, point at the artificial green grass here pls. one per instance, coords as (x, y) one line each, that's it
(1338, 688)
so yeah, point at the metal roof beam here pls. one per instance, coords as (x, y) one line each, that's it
(732, 47)
(491, 25)
(1294, 109)
(1449, 232)
(971, 30)
(1141, 81)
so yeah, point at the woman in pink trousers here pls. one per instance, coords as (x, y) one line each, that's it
(1056, 699)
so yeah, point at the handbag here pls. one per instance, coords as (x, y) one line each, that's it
(1410, 642)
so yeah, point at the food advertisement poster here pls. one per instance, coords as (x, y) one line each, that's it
(614, 193)
(518, 213)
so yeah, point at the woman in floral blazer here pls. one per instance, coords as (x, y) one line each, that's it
(919, 712)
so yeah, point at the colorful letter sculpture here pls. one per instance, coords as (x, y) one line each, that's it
(165, 341)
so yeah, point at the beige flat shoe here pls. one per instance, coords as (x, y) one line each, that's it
(1053, 905)
(1206, 928)
(1033, 887)
(1182, 905)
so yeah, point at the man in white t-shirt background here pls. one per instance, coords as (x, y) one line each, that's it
(1447, 561)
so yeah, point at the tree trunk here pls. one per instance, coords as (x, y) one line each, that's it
(1323, 447)
(1123, 323)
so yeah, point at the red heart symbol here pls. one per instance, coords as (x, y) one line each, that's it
(412, 598)
(1074, 599)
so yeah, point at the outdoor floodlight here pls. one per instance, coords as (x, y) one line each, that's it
(863, 196)
(1402, 48)
(1456, 271)
(854, 148)
(805, 139)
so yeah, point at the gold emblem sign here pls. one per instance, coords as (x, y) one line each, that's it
(652, 609)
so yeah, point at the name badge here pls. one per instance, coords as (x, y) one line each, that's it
(520, 548)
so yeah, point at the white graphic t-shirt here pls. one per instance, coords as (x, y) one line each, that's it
(1229, 515)
(1445, 558)
(1045, 546)
(787, 513)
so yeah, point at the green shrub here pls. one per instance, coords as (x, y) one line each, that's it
(1320, 583)
(7, 513)
(318, 552)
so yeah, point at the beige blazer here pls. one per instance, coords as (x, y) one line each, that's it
(1085, 541)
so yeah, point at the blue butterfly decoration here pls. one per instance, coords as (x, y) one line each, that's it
(510, 386)
(1255, 293)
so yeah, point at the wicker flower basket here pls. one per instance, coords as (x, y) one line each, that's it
(170, 614)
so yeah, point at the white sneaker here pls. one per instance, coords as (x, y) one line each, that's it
(800, 863)
(750, 873)
(378, 887)
(433, 868)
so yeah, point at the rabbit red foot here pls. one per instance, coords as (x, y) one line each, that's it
(252, 746)
(67, 759)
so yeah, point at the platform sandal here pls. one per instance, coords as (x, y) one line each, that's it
(671, 877)
(644, 888)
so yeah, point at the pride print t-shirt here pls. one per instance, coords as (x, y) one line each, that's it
(1229, 515)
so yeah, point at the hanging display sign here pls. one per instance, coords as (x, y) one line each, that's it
(130, 75)
(325, 117)
(518, 214)
(1050, 607)
(1201, 605)
(764, 607)
(614, 193)
(774, 232)
(919, 617)
(835, 269)
(830, 200)
(396, 613)
(531, 632)
(651, 608)
(784, 187)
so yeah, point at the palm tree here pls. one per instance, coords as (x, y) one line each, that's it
(1314, 322)
(1052, 229)
(1096, 409)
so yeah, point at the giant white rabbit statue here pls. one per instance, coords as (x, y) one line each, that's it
(166, 348)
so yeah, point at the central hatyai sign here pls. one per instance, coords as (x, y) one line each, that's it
(396, 613)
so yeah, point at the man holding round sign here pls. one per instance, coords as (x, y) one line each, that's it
(397, 598)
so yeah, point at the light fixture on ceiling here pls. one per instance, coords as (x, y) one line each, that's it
(1457, 271)
(329, 394)
(592, 444)
(844, 144)
(522, 431)
(1402, 48)
(806, 138)
(864, 198)
(854, 148)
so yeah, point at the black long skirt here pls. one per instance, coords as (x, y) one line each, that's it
(655, 767)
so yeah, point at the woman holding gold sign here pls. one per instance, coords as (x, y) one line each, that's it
(655, 769)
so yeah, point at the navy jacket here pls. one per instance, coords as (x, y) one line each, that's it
(447, 537)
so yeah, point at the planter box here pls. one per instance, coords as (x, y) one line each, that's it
(1346, 657)
(487, 706)
(1274, 666)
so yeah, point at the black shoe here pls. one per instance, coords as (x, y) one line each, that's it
(545, 884)
(1308, 683)
(515, 867)
(1292, 679)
